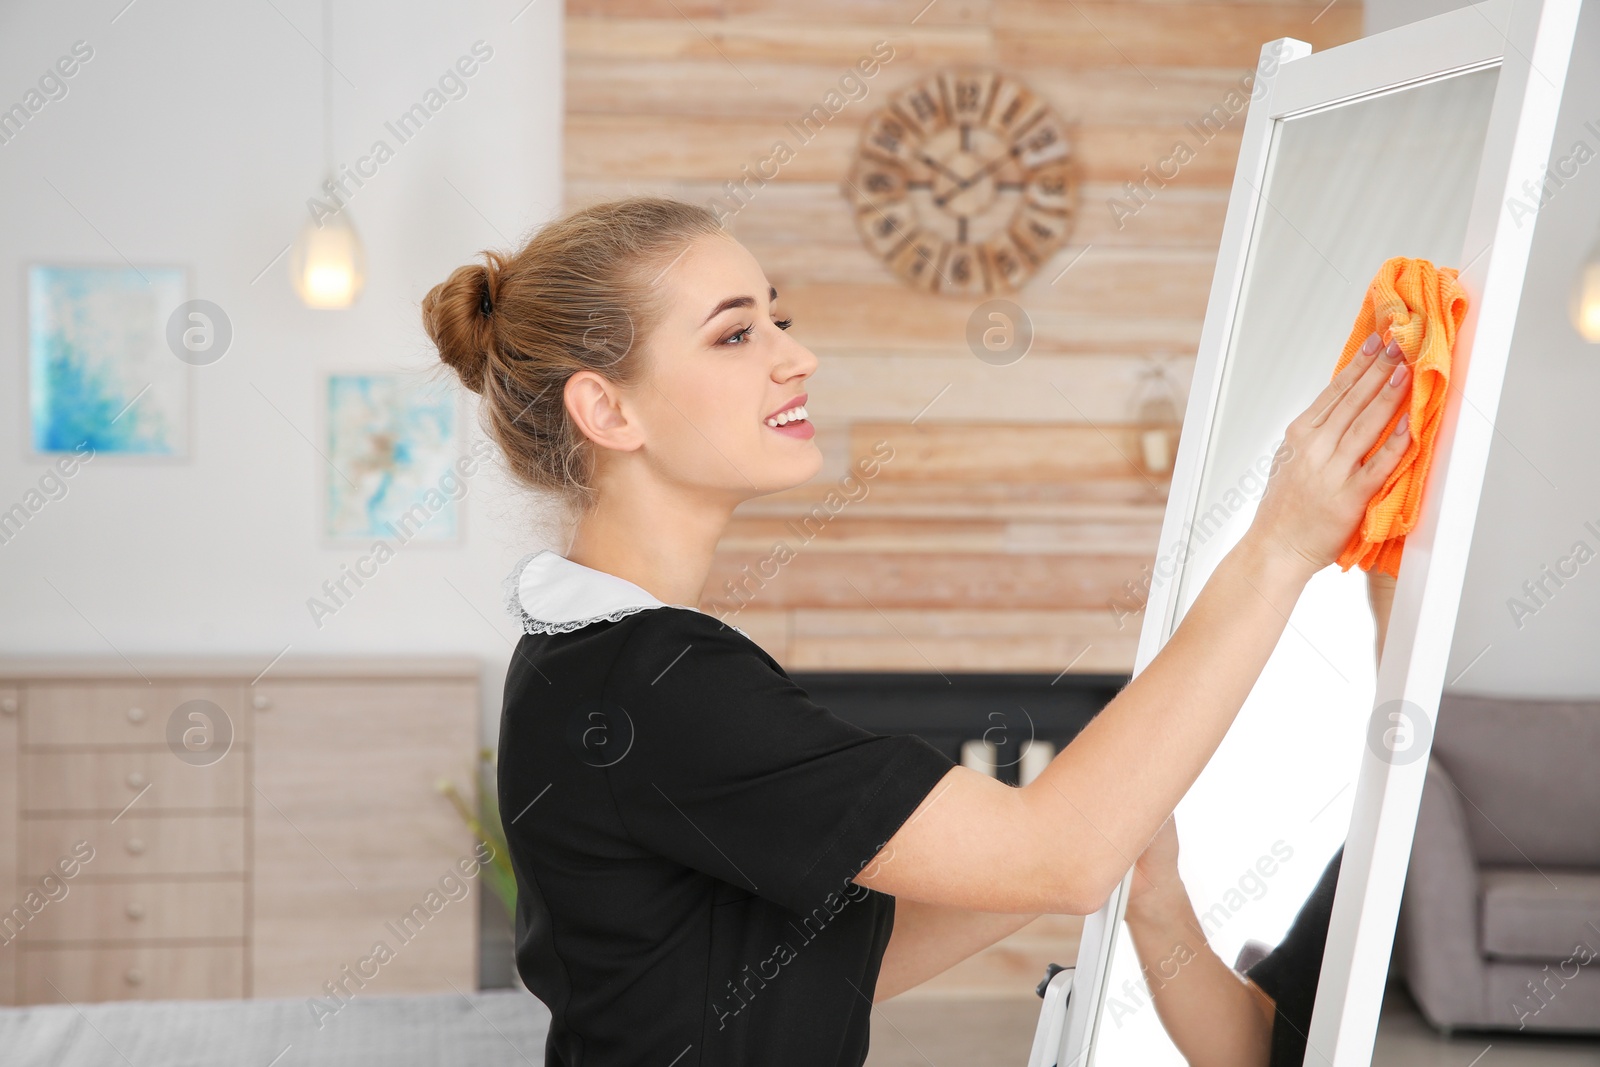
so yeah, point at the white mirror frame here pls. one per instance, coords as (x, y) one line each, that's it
(1531, 42)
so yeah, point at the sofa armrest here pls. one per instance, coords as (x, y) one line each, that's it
(1438, 929)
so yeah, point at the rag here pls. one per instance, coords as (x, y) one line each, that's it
(1422, 307)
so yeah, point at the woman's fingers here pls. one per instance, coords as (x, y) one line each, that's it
(1369, 423)
(1317, 495)
(1336, 389)
(1369, 385)
(1375, 471)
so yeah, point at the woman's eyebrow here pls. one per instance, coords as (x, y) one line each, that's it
(737, 302)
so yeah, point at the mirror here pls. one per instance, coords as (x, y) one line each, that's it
(1412, 143)
(1346, 188)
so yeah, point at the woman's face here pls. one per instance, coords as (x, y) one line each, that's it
(719, 364)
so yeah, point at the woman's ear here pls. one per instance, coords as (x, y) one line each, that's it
(597, 408)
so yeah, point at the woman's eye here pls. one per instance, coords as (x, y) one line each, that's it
(739, 337)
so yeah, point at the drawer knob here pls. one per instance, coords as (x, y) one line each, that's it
(135, 911)
(132, 976)
(136, 846)
(136, 715)
(260, 701)
(136, 780)
(8, 705)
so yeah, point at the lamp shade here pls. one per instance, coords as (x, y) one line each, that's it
(327, 264)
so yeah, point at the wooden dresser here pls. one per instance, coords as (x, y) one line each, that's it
(208, 828)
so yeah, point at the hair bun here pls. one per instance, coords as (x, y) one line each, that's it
(455, 314)
(490, 292)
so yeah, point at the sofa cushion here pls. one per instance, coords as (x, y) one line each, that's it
(1525, 769)
(1530, 914)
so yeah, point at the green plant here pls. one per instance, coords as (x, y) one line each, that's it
(486, 827)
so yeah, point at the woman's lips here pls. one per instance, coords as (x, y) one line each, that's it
(799, 424)
(801, 429)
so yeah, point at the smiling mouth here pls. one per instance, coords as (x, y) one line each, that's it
(783, 418)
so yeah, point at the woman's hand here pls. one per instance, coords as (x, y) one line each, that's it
(1319, 488)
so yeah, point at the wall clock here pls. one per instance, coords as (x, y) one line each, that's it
(963, 183)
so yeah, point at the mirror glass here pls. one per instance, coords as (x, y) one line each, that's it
(1346, 187)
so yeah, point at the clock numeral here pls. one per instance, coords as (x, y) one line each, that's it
(1007, 264)
(923, 107)
(1043, 142)
(1038, 233)
(961, 268)
(968, 98)
(1050, 189)
(1013, 110)
(887, 228)
(889, 135)
(876, 183)
(919, 261)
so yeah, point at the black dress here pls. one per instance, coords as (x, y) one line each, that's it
(1288, 974)
(684, 824)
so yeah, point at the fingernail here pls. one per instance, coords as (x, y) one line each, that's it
(1370, 345)
(1392, 353)
(1399, 374)
(1403, 429)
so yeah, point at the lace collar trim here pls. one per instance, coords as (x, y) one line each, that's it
(550, 594)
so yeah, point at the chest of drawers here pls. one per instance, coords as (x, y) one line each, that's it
(204, 829)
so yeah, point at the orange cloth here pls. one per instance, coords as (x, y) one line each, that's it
(1420, 306)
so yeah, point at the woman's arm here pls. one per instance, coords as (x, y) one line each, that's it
(1063, 842)
(1380, 597)
(1212, 1014)
(929, 939)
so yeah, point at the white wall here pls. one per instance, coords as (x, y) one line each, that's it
(194, 136)
(1380, 15)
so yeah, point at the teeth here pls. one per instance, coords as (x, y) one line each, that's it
(794, 414)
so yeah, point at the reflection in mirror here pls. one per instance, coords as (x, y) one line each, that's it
(1346, 188)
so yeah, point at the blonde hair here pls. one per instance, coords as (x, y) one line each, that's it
(578, 295)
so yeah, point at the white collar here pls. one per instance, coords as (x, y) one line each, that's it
(550, 594)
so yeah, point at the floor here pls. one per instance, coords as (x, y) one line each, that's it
(936, 1032)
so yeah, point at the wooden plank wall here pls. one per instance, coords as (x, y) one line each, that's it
(1010, 516)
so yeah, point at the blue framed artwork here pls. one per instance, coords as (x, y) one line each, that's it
(99, 369)
(392, 442)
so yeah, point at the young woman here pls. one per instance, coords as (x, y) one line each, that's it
(1215, 1016)
(711, 868)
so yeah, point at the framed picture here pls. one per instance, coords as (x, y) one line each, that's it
(391, 440)
(100, 369)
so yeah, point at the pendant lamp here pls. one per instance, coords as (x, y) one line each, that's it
(327, 264)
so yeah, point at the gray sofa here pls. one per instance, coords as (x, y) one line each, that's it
(1500, 922)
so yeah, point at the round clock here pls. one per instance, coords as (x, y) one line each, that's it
(963, 183)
